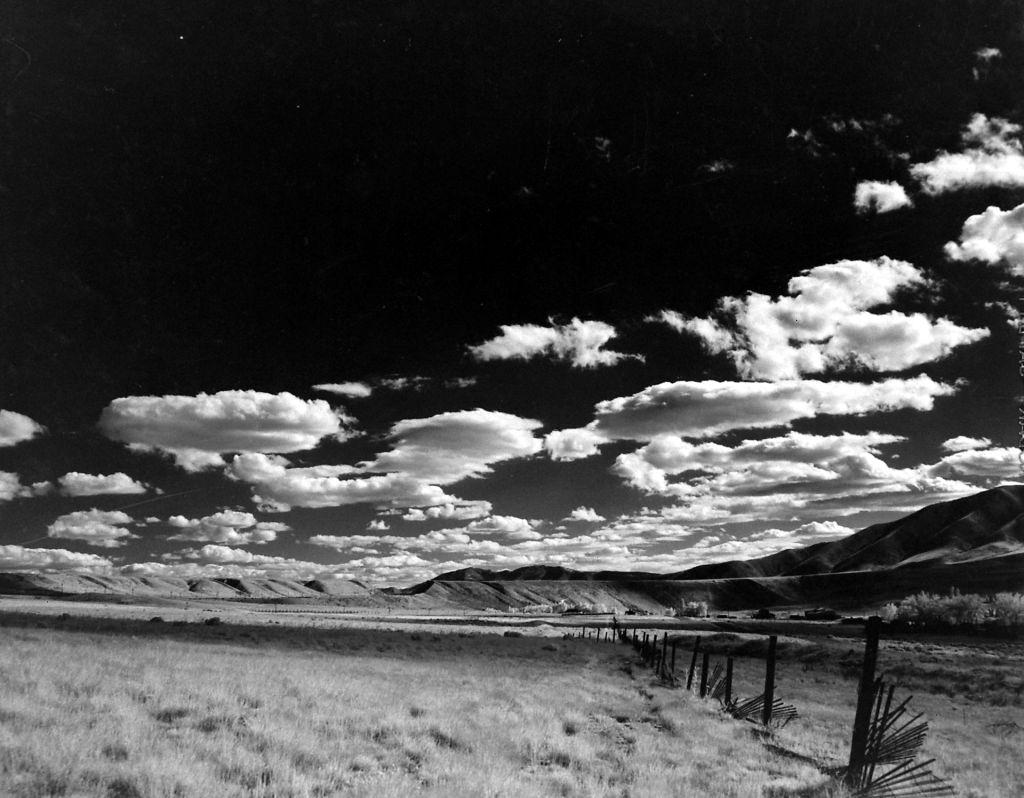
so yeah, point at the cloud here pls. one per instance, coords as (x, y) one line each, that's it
(986, 54)
(224, 561)
(75, 483)
(197, 430)
(708, 408)
(16, 428)
(824, 324)
(103, 528)
(962, 443)
(450, 447)
(507, 526)
(11, 487)
(584, 514)
(995, 464)
(330, 486)
(461, 511)
(19, 558)
(411, 383)
(872, 195)
(227, 527)
(355, 390)
(425, 454)
(993, 236)
(573, 444)
(578, 342)
(378, 525)
(992, 156)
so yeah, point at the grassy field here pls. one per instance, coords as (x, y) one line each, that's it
(124, 708)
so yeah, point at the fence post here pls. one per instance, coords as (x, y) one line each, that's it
(728, 681)
(693, 663)
(865, 700)
(704, 674)
(769, 681)
(664, 651)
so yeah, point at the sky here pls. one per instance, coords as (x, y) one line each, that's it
(383, 292)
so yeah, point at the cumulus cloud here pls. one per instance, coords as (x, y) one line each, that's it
(330, 486)
(573, 444)
(986, 54)
(16, 428)
(75, 483)
(992, 156)
(461, 511)
(214, 560)
(378, 525)
(584, 514)
(1003, 463)
(873, 195)
(198, 430)
(507, 526)
(993, 236)
(354, 390)
(825, 324)
(708, 408)
(962, 443)
(11, 487)
(19, 558)
(103, 528)
(580, 343)
(450, 447)
(227, 527)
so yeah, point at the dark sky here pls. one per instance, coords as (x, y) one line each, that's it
(220, 205)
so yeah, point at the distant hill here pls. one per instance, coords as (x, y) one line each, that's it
(975, 544)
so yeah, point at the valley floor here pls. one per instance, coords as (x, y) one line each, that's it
(100, 700)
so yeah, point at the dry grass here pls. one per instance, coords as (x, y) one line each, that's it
(124, 710)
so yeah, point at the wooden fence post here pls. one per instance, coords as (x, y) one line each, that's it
(705, 661)
(865, 700)
(664, 651)
(769, 681)
(693, 663)
(728, 681)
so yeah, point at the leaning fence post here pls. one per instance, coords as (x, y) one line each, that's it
(769, 681)
(693, 663)
(704, 674)
(865, 700)
(728, 681)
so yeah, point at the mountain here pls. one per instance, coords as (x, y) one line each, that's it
(975, 544)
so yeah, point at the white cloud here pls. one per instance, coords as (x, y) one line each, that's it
(227, 527)
(961, 443)
(824, 324)
(988, 53)
(75, 483)
(462, 511)
(103, 528)
(873, 195)
(584, 514)
(425, 454)
(11, 487)
(450, 447)
(507, 526)
(410, 383)
(992, 156)
(16, 428)
(197, 430)
(378, 525)
(355, 390)
(993, 236)
(708, 408)
(223, 561)
(578, 342)
(19, 558)
(996, 464)
(573, 444)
